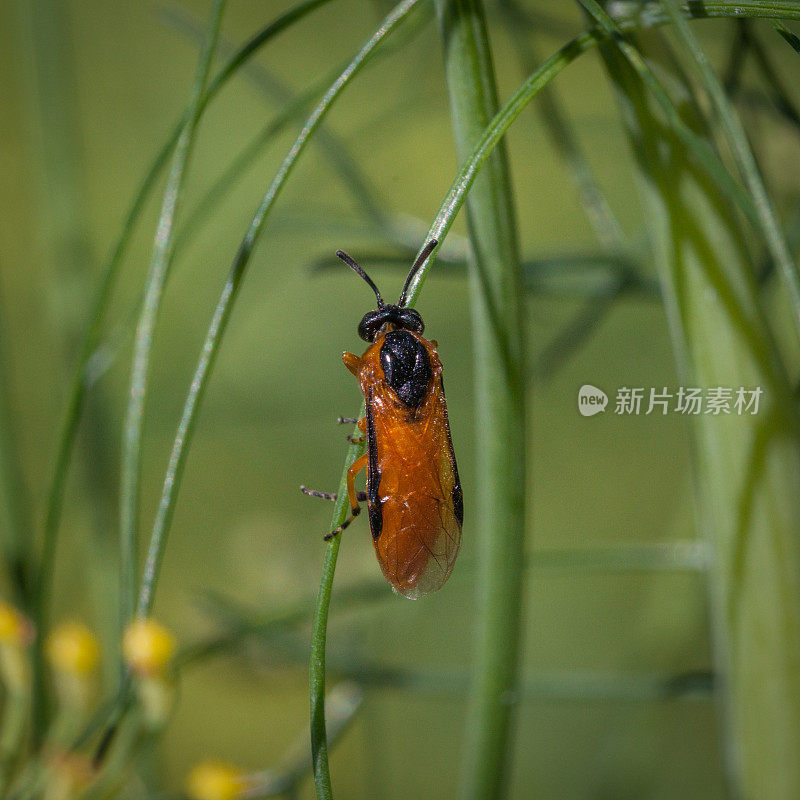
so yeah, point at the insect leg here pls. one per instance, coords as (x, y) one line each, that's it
(315, 493)
(362, 426)
(347, 420)
(355, 509)
(361, 496)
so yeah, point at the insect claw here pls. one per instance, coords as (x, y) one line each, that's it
(355, 439)
(354, 512)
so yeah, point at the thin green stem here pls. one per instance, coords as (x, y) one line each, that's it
(298, 108)
(652, 13)
(496, 290)
(593, 201)
(319, 632)
(343, 703)
(224, 308)
(241, 625)
(110, 271)
(63, 229)
(162, 255)
(788, 35)
(737, 140)
(747, 468)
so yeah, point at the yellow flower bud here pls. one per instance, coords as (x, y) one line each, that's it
(215, 780)
(147, 647)
(15, 628)
(73, 648)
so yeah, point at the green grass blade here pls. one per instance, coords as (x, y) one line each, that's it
(699, 147)
(747, 467)
(319, 637)
(788, 35)
(63, 230)
(650, 14)
(162, 255)
(224, 308)
(238, 169)
(202, 372)
(737, 139)
(497, 296)
(562, 138)
(445, 217)
(110, 272)
(343, 703)
(338, 154)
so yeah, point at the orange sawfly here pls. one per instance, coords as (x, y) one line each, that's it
(414, 498)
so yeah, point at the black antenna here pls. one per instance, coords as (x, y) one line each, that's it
(423, 257)
(352, 264)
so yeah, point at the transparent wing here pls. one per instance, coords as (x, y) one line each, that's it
(421, 531)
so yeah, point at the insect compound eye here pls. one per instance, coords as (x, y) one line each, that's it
(411, 320)
(406, 366)
(370, 324)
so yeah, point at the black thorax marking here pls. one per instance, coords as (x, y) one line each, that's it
(406, 367)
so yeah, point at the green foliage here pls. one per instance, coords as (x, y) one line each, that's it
(748, 470)
(711, 213)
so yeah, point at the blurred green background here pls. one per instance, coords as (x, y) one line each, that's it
(242, 529)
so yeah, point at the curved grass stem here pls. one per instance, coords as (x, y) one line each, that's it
(110, 271)
(162, 256)
(746, 468)
(316, 670)
(442, 223)
(225, 305)
(497, 320)
(740, 147)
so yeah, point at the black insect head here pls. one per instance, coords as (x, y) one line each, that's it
(399, 315)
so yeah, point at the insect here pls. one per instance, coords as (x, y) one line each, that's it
(414, 498)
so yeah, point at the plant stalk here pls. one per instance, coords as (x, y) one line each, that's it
(496, 290)
(747, 466)
(162, 257)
